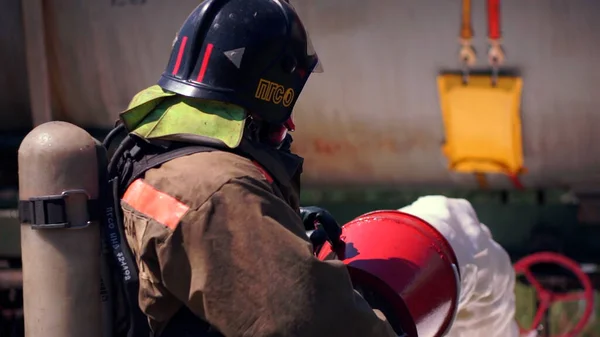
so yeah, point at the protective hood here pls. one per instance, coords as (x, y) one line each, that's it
(158, 114)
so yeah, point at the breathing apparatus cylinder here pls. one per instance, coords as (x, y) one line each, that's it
(60, 234)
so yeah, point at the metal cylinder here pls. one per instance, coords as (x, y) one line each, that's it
(61, 264)
(409, 263)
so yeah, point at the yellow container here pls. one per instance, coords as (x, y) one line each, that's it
(482, 123)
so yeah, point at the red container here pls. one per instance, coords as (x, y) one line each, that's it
(408, 262)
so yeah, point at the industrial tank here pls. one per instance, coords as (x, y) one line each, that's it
(373, 117)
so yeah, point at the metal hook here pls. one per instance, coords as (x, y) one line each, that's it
(496, 59)
(465, 73)
(495, 72)
(468, 58)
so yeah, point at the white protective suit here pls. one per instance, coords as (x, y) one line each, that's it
(487, 301)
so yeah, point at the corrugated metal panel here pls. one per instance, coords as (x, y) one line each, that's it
(373, 117)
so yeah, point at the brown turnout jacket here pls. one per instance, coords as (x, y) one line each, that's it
(212, 232)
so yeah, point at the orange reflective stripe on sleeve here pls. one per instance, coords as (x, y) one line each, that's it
(155, 204)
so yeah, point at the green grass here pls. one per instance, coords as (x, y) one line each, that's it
(563, 315)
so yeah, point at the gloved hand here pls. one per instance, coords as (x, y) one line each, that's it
(323, 225)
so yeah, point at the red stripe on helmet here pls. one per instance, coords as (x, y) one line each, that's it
(179, 55)
(209, 48)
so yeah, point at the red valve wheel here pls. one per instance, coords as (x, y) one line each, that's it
(547, 297)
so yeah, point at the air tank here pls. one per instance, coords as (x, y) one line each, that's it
(60, 238)
(373, 117)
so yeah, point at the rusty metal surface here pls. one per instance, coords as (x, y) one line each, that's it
(373, 116)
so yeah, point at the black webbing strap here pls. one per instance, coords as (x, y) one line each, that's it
(50, 212)
(149, 161)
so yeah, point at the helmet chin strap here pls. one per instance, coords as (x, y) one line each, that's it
(273, 135)
(277, 135)
(264, 133)
(286, 144)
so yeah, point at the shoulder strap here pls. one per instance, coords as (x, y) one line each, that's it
(145, 157)
(151, 160)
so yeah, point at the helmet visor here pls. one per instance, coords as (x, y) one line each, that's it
(310, 49)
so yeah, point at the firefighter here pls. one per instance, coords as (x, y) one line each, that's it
(217, 234)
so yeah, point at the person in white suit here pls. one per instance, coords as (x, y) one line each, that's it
(487, 300)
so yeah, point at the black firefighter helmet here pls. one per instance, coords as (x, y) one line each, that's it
(252, 53)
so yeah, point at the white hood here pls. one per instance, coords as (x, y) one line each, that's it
(487, 300)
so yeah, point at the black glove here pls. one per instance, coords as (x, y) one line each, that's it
(323, 224)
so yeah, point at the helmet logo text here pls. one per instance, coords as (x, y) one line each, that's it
(274, 93)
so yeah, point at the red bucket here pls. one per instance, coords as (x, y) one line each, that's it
(409, 263)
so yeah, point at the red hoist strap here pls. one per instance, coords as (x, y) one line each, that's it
(494, 32)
